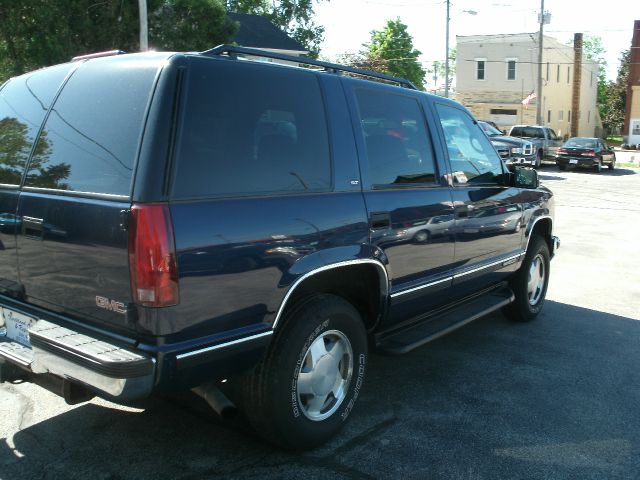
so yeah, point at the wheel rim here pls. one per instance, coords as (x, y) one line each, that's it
(421, 237)
(325, 375)
(535, 285)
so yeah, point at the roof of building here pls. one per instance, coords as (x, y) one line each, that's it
(258, 32)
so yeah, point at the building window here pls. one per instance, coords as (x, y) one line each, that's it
(558, 75)
(548, 116)
(503, 111)
(560, 115)
(547, 71)
(591, 84)
(511, 68)
(568, 74)
(568, 115)
(589, 117)
(480, 66)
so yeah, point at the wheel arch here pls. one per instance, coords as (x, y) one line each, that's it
(364, 283)
(542, 226)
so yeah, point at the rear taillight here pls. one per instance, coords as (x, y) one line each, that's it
(152, 256)
(589, 153)
(561, 151)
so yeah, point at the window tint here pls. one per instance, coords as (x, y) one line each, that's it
(91, 136)
(396, 139)
(251, 129)
(24, 101)
(473, 158)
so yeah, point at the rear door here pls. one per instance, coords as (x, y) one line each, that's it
(408, 200)
(24, 102)
(72, 239)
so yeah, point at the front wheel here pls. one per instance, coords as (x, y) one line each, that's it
(306, 387)
(529, 283)
(538, 163)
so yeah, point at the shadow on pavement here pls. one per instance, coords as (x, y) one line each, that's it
(554, 398)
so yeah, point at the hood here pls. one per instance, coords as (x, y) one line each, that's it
(511, 141)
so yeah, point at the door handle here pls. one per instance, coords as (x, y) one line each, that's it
(32, 227)
(378, 221)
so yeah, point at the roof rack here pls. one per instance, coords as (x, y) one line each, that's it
(108, 53)
(233, 50)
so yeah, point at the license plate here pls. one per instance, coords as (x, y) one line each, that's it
(17, 326)
(574, 161)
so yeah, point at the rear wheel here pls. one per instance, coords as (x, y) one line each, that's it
(562, 167)
(305, 389)
(612, 165)
(529, 283)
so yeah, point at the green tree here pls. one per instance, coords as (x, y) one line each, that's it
(616, 96)
(36, 33)
(392, 48)
(594, 51)
(295, 17)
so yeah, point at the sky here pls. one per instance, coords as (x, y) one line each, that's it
(348, 23)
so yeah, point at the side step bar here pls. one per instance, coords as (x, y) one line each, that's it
(416, 335)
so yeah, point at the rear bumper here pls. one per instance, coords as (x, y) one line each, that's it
(579, 162)
(555, 245)
(107, 369)
(118, 368)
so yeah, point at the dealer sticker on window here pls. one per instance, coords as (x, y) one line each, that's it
(17, 326)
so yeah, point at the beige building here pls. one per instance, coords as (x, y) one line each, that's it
(495, 73)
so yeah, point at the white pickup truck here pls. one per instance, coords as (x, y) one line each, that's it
(544, 139)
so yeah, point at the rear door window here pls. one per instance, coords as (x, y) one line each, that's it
(24, 102)
(251, 129)
(398, 147)
(90, 139)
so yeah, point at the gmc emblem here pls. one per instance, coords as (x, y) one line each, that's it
(111, 305)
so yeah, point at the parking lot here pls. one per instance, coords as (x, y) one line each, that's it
(555, 398)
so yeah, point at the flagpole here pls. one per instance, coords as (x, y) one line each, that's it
(521, 105)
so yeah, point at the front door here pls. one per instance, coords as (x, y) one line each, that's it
(488, 213)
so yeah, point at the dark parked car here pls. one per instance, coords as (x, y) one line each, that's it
(513, 151)
(247, 230)
(585, 152)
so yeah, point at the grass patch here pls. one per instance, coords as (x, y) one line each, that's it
(628, 165)
(614, 139)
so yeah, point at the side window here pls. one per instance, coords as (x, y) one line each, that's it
(24, 101)
(473, 158)
(251, 129)
(90, 139)
(398, 147)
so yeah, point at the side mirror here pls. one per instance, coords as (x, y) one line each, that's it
(504, 132)
(525, 178)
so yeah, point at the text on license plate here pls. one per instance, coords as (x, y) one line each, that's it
(573, 161)
(17, 326)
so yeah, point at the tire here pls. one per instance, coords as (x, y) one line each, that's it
(612, 165)
(529, 292)
(538, 159)
(299, 401)
(421, 236)
(562, 167)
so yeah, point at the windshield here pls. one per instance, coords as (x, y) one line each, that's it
(489, 130)
(581, 143)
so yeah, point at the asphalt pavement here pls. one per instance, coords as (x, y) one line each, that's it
(555, 398)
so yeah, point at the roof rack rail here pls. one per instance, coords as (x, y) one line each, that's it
(233, 50)
(108, 53)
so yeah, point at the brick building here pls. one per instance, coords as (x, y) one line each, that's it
(632, 117)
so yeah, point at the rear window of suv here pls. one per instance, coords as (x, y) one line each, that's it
(250, 129)
(24, 102)
(90, 139)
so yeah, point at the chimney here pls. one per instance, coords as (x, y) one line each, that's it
(577, 81)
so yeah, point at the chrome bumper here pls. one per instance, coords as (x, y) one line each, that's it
(105, 368)
(556, 244)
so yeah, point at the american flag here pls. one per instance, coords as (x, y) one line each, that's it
(528, 98)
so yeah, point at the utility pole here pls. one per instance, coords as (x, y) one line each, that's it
(446, 58)
(540, 50)
(144, 28)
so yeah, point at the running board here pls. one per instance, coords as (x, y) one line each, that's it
(416, 335)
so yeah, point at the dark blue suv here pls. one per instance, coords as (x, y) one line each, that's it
(202, 221)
